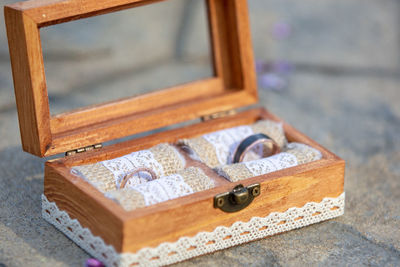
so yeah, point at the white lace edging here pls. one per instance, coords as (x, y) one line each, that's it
(121, 166)
(225, 141)
(204, 242)
(159, 190)
(273, 163)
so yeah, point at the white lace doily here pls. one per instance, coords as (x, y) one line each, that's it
(204, 242)
(273, 163)
(163, 189)
(140, 159)
(226, 141)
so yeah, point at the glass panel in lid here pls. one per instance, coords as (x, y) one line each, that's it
(126, 53)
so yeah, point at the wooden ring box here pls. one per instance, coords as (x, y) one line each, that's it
(178, 229)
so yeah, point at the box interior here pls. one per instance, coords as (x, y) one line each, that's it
(172, 136)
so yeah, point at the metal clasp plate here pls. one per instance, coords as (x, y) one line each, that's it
(239, 198)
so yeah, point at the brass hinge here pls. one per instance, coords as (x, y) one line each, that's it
(218, 115)
(83, 149)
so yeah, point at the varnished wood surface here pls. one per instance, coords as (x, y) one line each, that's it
(232, 47)
(186, 216)
(171, 136)
(84, 203)
(233, 86)
(278, 193)
(78, 118)
(50, 12)
(146, 121)
(29, 81)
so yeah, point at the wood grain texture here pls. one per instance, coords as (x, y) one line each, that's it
(279, 192)
(233, 86)
(146, 121)
(171, 136)
(29, 81)
(186, 216)
(232, 46)
(84, 203)
(79, 118)
(51, 12)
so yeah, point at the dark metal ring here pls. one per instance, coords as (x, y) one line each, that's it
(250, 142)
(131, 174)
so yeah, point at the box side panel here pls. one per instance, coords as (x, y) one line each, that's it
(83, 206)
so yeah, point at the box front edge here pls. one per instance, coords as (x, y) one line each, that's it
(203, 243)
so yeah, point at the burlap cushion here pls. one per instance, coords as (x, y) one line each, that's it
(294, 154)
(163, 159)
(183, 183)
(217, 148)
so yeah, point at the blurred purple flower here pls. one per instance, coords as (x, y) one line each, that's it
(260, 66)
(281, 30)
(282, 67)
(272, 81)
(93, 263)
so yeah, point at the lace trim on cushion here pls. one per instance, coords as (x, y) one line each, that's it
(303, 152)
(274, 163)
(123, 165)
(164, 189)
(204, 242)
(226, 141)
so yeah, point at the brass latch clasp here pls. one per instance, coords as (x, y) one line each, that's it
(239, 198)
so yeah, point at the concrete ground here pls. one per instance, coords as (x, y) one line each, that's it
(336, 77)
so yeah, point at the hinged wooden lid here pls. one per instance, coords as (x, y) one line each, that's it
(233, 84)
